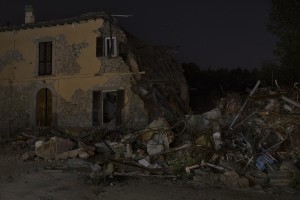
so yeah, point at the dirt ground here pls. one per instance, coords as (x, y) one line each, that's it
(29, 181)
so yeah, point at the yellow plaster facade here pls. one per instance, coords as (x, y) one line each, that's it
(25, 42)
(70, 96)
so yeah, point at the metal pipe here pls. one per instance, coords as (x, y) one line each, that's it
(244, 105)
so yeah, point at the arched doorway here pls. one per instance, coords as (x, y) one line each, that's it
(44, 107)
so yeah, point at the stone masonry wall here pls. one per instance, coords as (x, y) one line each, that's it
(134, 115)
(77, 111)
(66, 55)
(14, 100)
(9, 57)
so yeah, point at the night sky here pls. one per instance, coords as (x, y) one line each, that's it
(210, 33)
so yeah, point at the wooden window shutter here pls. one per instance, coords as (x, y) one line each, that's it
(99, 46)
(45, 58)
(123, 50)
(48, 56)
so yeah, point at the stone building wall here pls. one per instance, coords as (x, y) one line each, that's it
(77, 111)
(14, 100)
(66, 55)
(74, 109)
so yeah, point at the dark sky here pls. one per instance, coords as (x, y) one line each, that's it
(215, 33)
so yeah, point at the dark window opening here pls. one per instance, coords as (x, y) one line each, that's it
(45, 58)
(107, 107)
(96, 115)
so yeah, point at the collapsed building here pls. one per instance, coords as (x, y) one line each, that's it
(84, 72)
(88, 72)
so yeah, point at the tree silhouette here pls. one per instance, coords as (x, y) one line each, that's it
(284, 22)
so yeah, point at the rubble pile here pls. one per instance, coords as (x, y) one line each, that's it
(255, 137)
(243, 142)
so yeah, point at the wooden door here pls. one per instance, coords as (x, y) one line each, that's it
(44, 107)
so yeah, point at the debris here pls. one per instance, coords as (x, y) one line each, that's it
(83, 155)
(188, 169)
(231, 179)
(216, 167)
(291, 101)
(198, 122)
(128, 153)
(102, 148)
(75, 163)
(262, 160)
(243, 106)
(236, 144)
(68, 154)
(158, 136)
(283, 182)
(53, 147)
(54, 170)
(144, 162)
(217, 140)
(292, 168)
(96, 167)
(109, 169)
(230, 165)
(204, 140)
(257, 178)
(243, 182)
(158, 144)
(31, 142)
(28, 156)
(117, 149)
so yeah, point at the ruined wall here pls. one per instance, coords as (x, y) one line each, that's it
(14, 99)
(77, 72)
(163, 86)
(113, 65)
(76, 111)
(15, 106)
(133, 113)
(66, 55)
(105, 31)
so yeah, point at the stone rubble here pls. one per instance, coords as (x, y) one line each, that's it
(239, 144)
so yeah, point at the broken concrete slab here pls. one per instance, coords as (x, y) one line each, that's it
(68, 154)
(53, 147)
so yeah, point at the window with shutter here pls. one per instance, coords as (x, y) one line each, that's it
(45, 58)
(107, 106)
(111, 47)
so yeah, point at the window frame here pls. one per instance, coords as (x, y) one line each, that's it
(98, 106)
(107, 44)
(45, 48)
